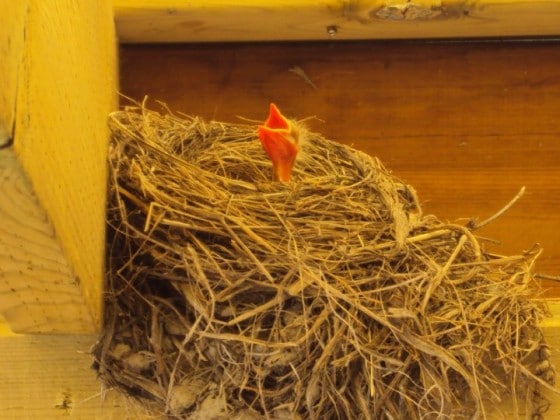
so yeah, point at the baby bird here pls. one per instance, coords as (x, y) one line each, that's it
(280, 137)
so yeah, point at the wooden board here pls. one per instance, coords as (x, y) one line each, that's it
(466, 124)
(11, 51)
(141, 21)
(39, 291)
(38, 288)
(66, 87)
(50, 377)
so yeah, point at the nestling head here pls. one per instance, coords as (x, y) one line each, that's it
(280, 138)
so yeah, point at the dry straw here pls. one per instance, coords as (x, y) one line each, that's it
(329, 297)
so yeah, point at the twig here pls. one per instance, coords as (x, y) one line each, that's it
(473, 225)
(546, 277)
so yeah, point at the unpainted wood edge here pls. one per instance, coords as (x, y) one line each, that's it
(144, 21)
(39, 292)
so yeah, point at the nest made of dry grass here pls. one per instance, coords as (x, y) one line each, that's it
(329, 297)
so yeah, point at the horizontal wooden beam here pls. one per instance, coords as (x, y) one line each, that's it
(141, 21)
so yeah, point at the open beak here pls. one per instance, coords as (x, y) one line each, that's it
(280, 142)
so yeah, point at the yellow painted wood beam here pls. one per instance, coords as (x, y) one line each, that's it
(63, 76)
(141, 21)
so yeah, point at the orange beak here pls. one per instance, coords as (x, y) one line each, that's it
(280, 142)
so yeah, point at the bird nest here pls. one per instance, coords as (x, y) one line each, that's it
(331, 296)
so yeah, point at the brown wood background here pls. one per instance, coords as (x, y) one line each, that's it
(466, 124)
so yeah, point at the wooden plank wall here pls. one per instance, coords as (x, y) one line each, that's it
(467, 124)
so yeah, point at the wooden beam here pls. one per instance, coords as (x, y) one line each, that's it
(50, 376)
(11, 51)
(5, 330)
(141, 21)
(66, 87)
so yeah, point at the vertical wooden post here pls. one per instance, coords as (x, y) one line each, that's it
(11, 52)
(64, 55)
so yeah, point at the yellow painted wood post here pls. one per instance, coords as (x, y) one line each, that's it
(11, 51)
(52, 261)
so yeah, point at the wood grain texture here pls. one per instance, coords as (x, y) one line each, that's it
(11, 57)
(466, 124)
(5, 330)
(67, 88)
(258, 20)
(38, 289)
(49, 377)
